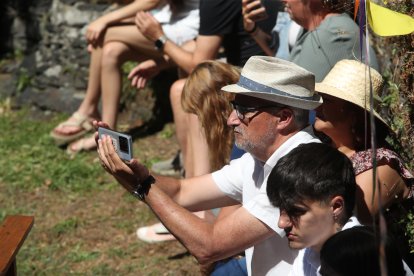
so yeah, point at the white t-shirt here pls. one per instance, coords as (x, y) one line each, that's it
(245, 180)
(182, 26)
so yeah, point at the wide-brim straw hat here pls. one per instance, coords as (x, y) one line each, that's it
(278, 81)
(349, 80)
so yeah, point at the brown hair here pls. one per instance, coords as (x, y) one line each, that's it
(202, 96)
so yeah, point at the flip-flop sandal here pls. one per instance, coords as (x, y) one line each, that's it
(79, 147)
(83, 122)
(148, 234)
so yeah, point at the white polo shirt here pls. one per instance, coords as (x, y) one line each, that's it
(245, 180)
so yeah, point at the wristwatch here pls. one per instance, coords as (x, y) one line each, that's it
(143, 188)
(159, 43)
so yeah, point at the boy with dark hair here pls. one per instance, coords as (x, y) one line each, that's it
(314, 188)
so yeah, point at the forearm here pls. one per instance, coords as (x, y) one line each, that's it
(262, 39)
(181, 191)
(125, 13)
(182, 58)
(204, 48)
(197, 235)
(169, 185)
(127, 21)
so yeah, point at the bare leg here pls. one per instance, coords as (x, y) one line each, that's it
(137, 48)
(198, 157)
(140, 47)
(89, 105)
(182, 121)
(198, 160)
(114, 55)
(121, 43)
(180, 117)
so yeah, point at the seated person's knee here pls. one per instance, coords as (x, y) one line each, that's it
(112, 51)
(176, 90)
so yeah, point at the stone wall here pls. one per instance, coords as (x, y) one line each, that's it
(53, 71)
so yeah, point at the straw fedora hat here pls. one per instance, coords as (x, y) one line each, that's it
(349, 81)
(277, 80)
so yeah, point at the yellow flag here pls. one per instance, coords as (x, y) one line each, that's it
(385, 22)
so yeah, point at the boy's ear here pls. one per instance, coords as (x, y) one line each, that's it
(337, 205)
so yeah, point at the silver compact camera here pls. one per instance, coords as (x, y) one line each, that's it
(122, 142)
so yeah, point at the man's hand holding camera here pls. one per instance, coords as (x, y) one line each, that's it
(130, 174)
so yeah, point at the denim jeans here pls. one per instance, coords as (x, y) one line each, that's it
(234, 267)
(282, 29)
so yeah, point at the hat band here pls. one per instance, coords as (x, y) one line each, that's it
(258, 87)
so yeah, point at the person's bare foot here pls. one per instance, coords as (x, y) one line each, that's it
(85, 144)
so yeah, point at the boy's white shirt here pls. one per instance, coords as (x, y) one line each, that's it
(313, 264)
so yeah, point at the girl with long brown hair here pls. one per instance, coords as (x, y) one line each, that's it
(202, 96)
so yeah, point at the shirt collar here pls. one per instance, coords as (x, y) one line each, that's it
(303, 136)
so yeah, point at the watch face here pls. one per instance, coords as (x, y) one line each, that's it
(159, 44)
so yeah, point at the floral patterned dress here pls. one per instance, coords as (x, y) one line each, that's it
(362, 161)
(396, 214)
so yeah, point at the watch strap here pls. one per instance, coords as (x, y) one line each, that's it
(159, 43)
(143, 188)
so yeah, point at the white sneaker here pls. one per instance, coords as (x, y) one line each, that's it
(154, 233)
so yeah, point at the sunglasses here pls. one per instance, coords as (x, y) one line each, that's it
(248, 112)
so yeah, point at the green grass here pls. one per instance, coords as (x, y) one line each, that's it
(31, 160)
(65, 226)
(78, 255)
(85, 222)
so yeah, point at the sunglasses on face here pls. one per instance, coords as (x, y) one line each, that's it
(248, 112)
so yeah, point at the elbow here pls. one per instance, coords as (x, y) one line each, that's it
(207, 254)
(189, 68)
(205, 257)
(193, 64)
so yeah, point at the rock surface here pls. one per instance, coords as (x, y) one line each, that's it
(53, 71)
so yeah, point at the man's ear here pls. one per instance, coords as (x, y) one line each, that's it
(286, 117)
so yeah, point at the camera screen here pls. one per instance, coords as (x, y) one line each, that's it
(123, 144)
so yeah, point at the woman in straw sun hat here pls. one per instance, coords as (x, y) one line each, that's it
(344, 118)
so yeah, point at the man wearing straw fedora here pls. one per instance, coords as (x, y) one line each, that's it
(270, 118)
